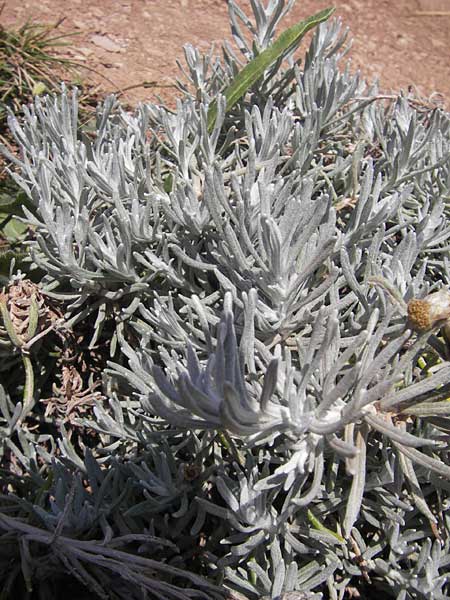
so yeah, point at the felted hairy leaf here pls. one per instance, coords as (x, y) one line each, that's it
(242, 287)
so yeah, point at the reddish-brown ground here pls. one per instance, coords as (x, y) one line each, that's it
(129, 41)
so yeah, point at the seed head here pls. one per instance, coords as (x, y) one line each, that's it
(427, 313)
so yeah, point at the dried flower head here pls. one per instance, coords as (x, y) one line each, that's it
(427, 313)
(72, 397)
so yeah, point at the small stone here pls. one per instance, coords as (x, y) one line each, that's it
(105, 43)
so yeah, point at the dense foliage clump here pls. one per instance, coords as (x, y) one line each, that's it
(211, 387)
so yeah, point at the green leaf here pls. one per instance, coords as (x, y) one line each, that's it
(39, 88)
(13, 229)
(318, 525)
(6, 258)
(11, 204)
(250, 74)
(168, 183)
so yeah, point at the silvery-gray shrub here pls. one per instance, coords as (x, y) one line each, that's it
(266, 395)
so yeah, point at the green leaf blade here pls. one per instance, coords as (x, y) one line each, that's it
(250, 74)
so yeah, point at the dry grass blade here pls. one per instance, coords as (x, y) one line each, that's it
(30, 65)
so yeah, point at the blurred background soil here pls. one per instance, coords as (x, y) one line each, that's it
(404, 43)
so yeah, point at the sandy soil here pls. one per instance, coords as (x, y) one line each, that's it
(130, 41)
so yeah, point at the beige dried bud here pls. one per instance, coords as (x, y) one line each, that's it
(25, 313)
(429, 312)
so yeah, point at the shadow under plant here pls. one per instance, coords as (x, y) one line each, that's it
(222, 385)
